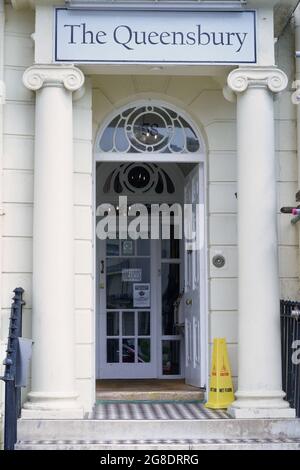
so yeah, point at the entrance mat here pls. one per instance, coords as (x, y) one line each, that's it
(156, 410)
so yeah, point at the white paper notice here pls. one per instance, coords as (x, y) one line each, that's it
(141, 295)
(131, 275)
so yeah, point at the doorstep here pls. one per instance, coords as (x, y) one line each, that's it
(147, 390)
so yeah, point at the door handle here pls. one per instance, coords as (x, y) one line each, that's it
(102, 267)
(188, 301)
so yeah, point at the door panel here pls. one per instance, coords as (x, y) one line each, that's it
(194, 301)
(127, 315)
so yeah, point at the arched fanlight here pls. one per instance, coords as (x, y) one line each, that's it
(149, 128)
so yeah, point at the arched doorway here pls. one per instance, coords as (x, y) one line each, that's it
(150, 290)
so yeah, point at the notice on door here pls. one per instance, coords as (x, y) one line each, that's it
(131, 275)
(141, 295)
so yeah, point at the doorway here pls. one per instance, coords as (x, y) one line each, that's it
(141, 335)
(151, 291)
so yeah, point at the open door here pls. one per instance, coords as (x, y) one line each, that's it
(194, 295)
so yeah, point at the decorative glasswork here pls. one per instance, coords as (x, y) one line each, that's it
(138, 178)
(149, 128)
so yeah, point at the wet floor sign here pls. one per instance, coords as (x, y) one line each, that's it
(221, 388)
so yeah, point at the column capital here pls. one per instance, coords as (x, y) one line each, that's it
(67, 76)
(272, 78)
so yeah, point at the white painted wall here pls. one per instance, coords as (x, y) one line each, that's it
(18, 196)
(286, 146)
(84, 258)
(16, 183)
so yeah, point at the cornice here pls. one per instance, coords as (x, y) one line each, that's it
(31, 4)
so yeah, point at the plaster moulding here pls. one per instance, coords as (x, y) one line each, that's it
(25, 4)
(274, 79)
(37, 76)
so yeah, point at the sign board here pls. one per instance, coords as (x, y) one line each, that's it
(141, 295)
(154, 37)
(131, 275)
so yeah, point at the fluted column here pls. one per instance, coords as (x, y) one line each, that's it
(259, 392)
(53, 377)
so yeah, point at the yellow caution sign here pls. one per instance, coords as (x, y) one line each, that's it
(221, 388)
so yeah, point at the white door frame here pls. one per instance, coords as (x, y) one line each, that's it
(203, 268)
(198, 158)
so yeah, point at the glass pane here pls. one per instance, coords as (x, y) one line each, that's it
(113, 350)
(119, 293)
(139, 177)
(128, 323)
(170, 282)
(112, 247)
(107, 138)
(128, 247)
(128, 350)
(112, 324)
(143, 247)
(144, 350)
(150, 129)
(121, 142)
(143, 323)
(170, 248)
(171, 357)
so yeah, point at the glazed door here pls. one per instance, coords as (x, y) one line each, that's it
(127, 315)
(195, 355)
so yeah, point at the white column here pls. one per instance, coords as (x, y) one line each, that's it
(259, 392)
(53, 378)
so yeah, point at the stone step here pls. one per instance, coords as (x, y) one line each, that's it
(152, 395)
(187, 430)
(147, 390)
(204, 444)
(156, 410)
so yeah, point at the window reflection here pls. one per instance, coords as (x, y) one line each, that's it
(171, 357)
(128, 323)
(170, 247)
(112, 323)
(144, 350)
(128, 350)
(170, 291)
(144, 323)
(112, 350)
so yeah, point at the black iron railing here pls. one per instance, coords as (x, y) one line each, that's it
(12, 391)
(290, 349)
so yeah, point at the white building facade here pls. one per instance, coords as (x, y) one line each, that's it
(69, 104)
